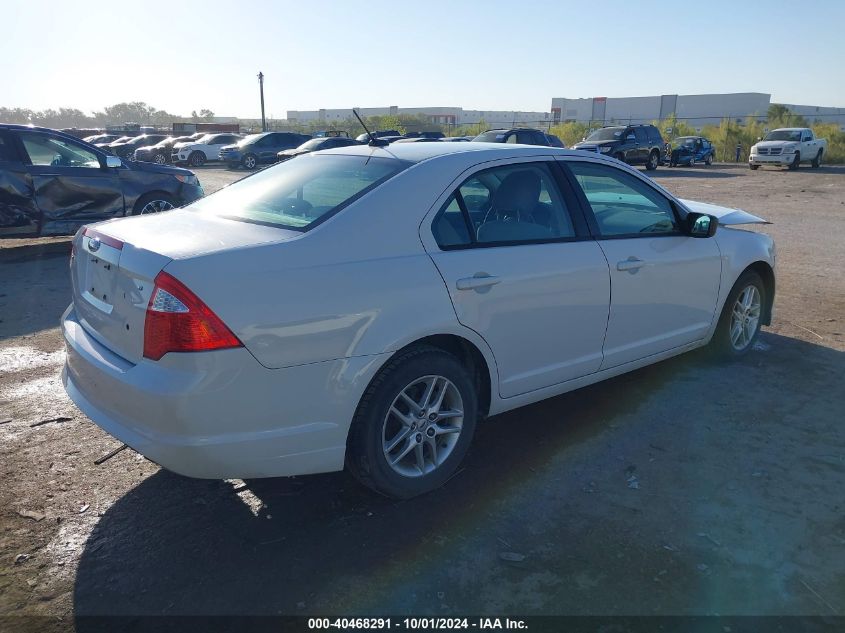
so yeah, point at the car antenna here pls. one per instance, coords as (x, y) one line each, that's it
(374, 142)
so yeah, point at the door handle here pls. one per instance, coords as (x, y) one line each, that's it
(479, 281)
(631, 264)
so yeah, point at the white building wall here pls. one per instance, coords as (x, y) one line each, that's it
(698, 110)
(632, 109)
(822, 113)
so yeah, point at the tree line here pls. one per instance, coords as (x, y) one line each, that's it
(117, 114)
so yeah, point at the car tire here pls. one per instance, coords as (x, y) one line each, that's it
(250, 161)
(154, 202)
(619, 156)
(796, 162)
(753, 167)
(817, 161)
(741, 318)
(399, 450)
(196, 159)
(692, 161)
(653, 161)
(160, 159)
(709, 160)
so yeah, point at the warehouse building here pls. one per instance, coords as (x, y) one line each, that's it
(696, 109)
(437, 114)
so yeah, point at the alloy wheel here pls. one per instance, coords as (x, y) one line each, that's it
(155, 206)
(249, 162)
(159, 159)
(422, 426)
(745, 317)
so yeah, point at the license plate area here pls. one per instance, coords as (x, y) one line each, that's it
(99, 284)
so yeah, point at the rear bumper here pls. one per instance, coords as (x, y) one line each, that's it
(217, 414)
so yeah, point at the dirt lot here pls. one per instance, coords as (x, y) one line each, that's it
(738, 506)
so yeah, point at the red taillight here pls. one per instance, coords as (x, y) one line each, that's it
(178, 321)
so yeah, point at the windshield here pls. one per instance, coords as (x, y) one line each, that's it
(606, 134)
(491, 136)
(313, 144)
(298, 193)
(249, 139)
(783, 135)
(205, 138)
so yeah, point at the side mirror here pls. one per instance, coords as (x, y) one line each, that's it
(113, 161)
(701, 225)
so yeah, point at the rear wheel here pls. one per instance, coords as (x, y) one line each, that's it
(414, 424)
(250, 161)
(153, 203)
(817, 161)
(653, 161)
(709, 160)
(796, 162)
(196, 159)
(739, 324)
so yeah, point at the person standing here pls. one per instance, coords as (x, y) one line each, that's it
(738, 151)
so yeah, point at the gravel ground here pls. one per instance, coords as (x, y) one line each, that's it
(688, 487)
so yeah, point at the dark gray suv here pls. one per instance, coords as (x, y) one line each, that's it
(632, 144)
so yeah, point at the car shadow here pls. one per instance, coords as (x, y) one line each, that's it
(324, 544)
(693, 172)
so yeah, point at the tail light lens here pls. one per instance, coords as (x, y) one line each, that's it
(178, 321)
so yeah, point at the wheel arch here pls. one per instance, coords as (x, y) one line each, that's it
(468, 353)
(767, 274)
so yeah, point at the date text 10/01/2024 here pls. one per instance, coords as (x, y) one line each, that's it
(414, 624)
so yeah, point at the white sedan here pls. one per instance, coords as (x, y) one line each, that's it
(364, 307)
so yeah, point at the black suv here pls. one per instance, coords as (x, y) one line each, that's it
(522, 135)
(633, 144)
(52, 183)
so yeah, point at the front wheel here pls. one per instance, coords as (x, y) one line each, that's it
(817, 161)
(414, 424)
(653, 160)
(250, 161)
(196, 159)
(739, 324)
(160, 159)
(796, 162)
(153, 203)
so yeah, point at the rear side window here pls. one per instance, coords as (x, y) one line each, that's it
(654, 135)
(641, 135)
(300, 193)
(512, 204)
(7, 150)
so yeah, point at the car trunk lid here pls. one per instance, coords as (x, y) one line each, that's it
(114, 266)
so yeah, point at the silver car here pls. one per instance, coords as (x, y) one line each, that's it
(365, 307)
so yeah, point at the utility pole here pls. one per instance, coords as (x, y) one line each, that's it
(261, 87)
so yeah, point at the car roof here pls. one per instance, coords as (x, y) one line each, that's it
(419, 152)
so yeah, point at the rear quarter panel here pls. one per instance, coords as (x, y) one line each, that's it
(359, 284)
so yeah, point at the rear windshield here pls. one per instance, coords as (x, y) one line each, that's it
(492, 136)
(299, 193)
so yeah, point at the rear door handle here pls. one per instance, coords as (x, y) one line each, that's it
(630, 264)
(479, 281)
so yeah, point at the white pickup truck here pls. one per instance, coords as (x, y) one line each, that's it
(788, 146)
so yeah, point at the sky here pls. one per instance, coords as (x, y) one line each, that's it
(486, 55)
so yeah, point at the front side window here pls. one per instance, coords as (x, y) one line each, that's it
(56, 152)
(504, 205)
(300, 193)
(621, 204)
(7, 151)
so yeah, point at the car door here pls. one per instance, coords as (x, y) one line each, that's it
(18, 213)
(522, 272)
(640, 145)
(664, 283)
(71, 183)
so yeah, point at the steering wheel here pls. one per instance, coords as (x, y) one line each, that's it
(58, 160)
